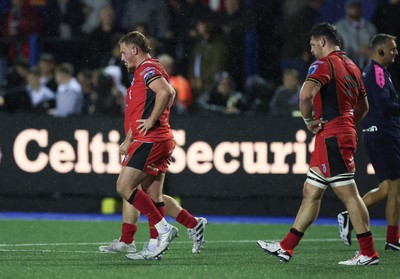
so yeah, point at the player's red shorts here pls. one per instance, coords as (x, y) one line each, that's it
(334, 153)
(149, 157)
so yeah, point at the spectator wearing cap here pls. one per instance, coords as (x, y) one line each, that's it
(356, 33)
(46, 66)
(69, 98)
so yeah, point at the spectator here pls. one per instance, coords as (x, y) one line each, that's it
(258, 94)
(208, 56)
(64, 18)
(295, 51)
(92, 12)
(118, 88)
(46, 67)
(13, 95)
(103, 36)
(41, 97)
(356, 33)
(64, 38)
(113, 58)
(21, 21)
(269, 19)
(285, 100)
(183, 97)
(222, 97)
(235, 21)
(107, 99)
(69, 99)
(153, 13)
(84, 78)
(184, 16)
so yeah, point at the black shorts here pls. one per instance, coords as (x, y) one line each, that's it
(383, 151)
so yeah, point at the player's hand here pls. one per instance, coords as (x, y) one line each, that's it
(123, 148)
(145, 125)
(316, 126)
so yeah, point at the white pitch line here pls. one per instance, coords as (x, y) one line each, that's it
(177, 242)
(49, 251)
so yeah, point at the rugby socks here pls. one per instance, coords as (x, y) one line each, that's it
(142, 202)
(186, 219)
(161, 208)
(291, 240)
(392, 234)
(128, 233)
(366, 242)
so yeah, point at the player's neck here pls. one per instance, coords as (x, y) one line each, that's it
(142, 58)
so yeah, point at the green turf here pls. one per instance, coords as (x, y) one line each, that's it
(60, 249)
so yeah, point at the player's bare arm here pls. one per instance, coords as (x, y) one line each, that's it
(307, 93)
(361, 109)
(123, 148)
(164, 96)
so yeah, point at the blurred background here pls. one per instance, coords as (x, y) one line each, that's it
(237, 66)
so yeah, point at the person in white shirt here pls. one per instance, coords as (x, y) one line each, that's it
(69, 97)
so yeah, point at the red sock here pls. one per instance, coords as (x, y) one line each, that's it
(186, 219)
(291, 240)
(392, 234)
(366, 242)
(161, 208)
(142, 202)
(128, 233)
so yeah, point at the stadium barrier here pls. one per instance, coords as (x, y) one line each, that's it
(222, 165)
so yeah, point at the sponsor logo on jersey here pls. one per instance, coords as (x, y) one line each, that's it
(146, 69)
(312, 69)
(148, 76)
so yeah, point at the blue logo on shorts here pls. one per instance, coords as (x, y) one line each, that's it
(323, 168)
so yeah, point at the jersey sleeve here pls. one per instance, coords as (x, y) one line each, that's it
(150, 74)
(320, 73)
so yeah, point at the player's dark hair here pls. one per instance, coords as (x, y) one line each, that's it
(138, 39)
(326, 30)
(380, 40)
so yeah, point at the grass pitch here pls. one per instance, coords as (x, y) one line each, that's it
(69, 249)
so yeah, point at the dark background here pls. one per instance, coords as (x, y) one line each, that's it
(211, 193)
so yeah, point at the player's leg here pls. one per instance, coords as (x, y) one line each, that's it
(164, 233)
(126, 243)
(307, 213)
(393, 215)
(376, 195)
(195, 225)
(359, 217)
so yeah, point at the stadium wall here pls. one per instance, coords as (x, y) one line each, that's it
(236, 165)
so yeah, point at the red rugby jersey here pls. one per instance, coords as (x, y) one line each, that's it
(140, 101)
(341, 88)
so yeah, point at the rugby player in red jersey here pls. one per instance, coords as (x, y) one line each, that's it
(381, 138)
(150, 139)
(332, 101)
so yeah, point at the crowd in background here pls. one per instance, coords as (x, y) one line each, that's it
(61, 57)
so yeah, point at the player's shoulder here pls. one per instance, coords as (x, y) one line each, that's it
(316, 65)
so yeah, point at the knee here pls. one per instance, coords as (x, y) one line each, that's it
(120, 187)
(311, 194)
